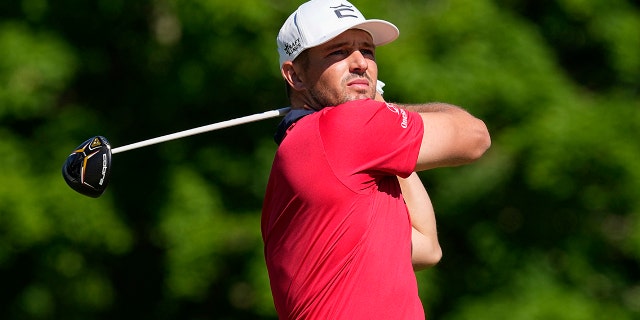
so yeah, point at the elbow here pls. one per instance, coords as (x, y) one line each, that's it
(483, 140)
(479, 142)
(427, 259)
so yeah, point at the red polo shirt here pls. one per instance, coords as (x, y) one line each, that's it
(336, 230)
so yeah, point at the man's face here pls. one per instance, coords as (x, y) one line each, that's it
(341, 70)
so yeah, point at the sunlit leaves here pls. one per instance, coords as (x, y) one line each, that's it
(34, 70)
(546, 225)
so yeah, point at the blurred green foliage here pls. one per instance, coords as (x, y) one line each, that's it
(546, 226)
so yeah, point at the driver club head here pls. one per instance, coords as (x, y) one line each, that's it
(88, 167)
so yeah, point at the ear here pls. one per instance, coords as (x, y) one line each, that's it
(292, 76)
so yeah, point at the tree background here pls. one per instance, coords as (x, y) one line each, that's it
(545, 226)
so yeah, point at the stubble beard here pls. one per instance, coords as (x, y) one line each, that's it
(322, 96)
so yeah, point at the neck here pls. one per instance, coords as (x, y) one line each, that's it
(303, 102)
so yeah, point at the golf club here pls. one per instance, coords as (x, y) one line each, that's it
(88, 168)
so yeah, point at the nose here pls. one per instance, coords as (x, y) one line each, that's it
(357, 62)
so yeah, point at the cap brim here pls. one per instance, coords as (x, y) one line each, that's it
(381, 31)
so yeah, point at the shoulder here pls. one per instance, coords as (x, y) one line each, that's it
(359, 107)
(362, 111)
(359, 114)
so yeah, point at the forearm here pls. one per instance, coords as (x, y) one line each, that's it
(452, 136)
(426, 250)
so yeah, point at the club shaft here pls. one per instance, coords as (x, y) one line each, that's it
(207, 128)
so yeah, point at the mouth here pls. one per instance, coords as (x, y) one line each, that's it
(359, 84)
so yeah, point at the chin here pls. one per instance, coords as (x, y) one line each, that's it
(359, 96)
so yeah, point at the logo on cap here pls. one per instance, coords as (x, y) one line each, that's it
(343, 8)
(292, 47)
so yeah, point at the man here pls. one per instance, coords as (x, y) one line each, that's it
(341, 241)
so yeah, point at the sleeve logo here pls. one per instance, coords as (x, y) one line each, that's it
(393, 108)
(405, 118)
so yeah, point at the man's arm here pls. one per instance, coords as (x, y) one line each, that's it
(425, 248)
(452, 136)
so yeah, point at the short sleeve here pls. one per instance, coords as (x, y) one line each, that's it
(367, 136)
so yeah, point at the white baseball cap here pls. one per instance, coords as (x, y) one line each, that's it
(318, 21)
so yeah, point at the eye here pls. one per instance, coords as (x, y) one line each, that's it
(368, 53)
(339, 52)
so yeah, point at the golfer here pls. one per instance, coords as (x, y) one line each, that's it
(345, 218)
